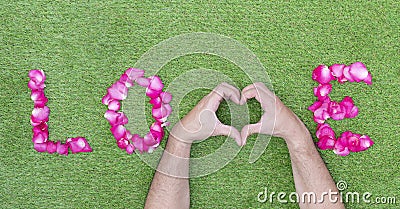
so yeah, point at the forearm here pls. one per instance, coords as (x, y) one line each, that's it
(310, 173)
(170, 186)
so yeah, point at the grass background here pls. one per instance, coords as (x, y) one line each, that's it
(84, 46)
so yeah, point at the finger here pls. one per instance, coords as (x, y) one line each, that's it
(260, 88)
(225, 130)
(249, 130)
(263, 95)
(252, 93)
(243, 100)
(223, 91)
(251, 86)
(208, 122)
(254, 85)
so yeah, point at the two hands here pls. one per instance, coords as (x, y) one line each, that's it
(170, 185)
(202, 122)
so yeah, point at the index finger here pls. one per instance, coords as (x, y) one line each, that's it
(262, 94)
(222, 91)
(259, 86)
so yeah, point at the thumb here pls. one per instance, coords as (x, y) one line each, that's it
(225, 130)
(249, 130)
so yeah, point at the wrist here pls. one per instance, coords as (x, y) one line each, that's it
(175, 159)
(178, 147)
(299, 137)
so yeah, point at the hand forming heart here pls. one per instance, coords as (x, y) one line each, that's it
(202, 122)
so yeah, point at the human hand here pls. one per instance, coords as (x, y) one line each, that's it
(202, 122)
(277, 120)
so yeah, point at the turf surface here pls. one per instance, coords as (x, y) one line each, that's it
(84, 47)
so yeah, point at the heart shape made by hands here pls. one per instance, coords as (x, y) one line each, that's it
(265, 125)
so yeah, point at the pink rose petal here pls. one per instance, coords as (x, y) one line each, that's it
(157, 131)
(125, 80)
(156, 102)
(156, 126)
(368, 79)
(358, 71)
(161, 120)
(116, 118)
(316, 105)
(40, 114)
(351, 109)
(365, 142)
(39, 99)
(34, 86)
(351, 113)
(341, 145)
(336, 111)
(342, 79)
(111, 116)
(118, 91)
(123, 143)
(322, 74)
(41, 128)
(158, 112)
(162, 112)
(341, 149)
(324, 130)
(353, 143)
(321, 114)
(144, 82)
(114, 105)
(168, 108)
(118, 131)
(106, 99)
(139, 144)
(157, 137)
(39, 138)
(51, 147)
(337, 70)
(156, 83)
(166, 97)
(37, 78)
(151, 149)
(134, 73)
(34, 123)
(40, 147)
(322, 91)
(326, 142)
(128, 135)
(62, 149)
(130, 149)
(347, 75)
(149, 140)
(152, 93)
(78, 144)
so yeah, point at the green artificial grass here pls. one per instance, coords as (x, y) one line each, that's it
(84, 47)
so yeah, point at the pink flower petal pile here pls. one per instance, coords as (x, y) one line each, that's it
(40, 117)
(160, 111)
(324, 108)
